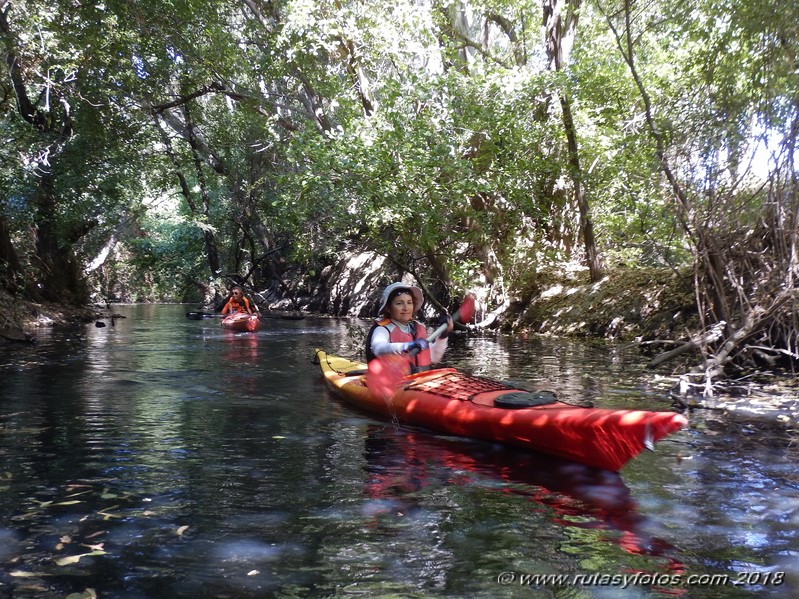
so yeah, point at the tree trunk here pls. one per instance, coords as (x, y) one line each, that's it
(455, 22)
(10, 267)
(586, 225)
(560, 22)
(211, 251)
(60, 277)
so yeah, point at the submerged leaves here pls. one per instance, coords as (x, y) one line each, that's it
(74, 559)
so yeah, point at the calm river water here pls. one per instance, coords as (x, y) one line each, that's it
(165, 457)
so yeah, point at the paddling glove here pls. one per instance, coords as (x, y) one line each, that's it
(417, 346)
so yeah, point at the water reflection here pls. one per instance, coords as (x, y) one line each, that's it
(581, 372)
(403, 463)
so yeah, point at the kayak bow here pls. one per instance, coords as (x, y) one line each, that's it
(242, 322)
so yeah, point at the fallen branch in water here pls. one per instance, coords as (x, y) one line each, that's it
(756, 319)
(697, 342)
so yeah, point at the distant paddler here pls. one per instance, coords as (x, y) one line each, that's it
(238, 303)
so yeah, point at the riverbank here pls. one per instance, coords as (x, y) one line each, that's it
(655, 309)
(641, 304)
(21, 319)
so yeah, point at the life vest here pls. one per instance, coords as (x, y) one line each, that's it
(241, 307)
(421, 361)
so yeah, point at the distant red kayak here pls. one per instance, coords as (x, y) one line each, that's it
(455, 403)
(242, 322)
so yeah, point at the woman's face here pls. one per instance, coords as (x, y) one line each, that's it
(401, 308)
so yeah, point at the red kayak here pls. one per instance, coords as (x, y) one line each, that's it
(455, 403)
(242, 322)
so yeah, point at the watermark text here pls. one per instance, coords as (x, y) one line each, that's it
(623, 581)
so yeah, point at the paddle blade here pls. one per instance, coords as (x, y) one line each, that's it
(466, 311)
(386, 374)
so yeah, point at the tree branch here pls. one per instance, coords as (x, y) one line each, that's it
(508, 29)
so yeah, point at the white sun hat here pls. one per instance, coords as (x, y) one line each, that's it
(418, 297)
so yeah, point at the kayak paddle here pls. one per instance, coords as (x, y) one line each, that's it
(201, 315)
(386, 372)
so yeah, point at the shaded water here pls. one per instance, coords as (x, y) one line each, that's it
(164, 457)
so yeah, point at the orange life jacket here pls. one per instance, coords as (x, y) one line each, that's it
(233, 306)
(421, 361)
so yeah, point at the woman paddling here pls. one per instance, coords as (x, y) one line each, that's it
(396, 332)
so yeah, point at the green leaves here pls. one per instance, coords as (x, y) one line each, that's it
(426, 130)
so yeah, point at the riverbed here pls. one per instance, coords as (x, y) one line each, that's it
(159, 456)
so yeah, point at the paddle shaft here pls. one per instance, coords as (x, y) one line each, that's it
(441, 328)
(213, 314)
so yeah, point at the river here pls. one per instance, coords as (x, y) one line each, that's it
(163, 457)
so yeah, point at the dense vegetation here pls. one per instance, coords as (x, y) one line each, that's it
(159, 150)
